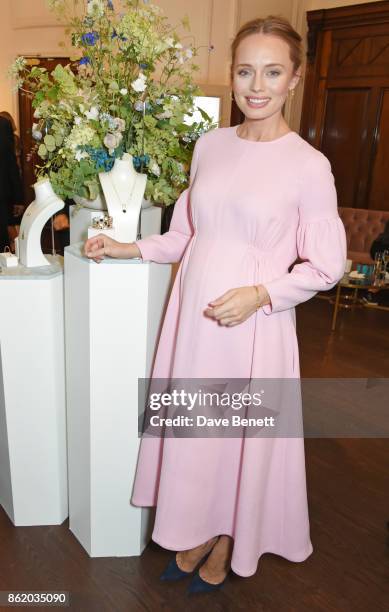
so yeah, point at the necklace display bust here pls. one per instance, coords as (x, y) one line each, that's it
(123, 189)
(45, 205)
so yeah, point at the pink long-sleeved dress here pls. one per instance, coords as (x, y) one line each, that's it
(251, 209)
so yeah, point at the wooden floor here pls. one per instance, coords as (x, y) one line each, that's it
(348, 489)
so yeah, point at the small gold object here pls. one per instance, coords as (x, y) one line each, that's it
(258, 295)
(102, 222)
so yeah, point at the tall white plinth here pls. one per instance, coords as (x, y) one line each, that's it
(113, 315)
(33, 465)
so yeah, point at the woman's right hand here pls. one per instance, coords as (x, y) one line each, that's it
(99, 246)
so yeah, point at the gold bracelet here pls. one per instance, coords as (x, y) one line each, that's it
(258, 295)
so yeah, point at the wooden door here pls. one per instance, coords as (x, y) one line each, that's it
(346, 99)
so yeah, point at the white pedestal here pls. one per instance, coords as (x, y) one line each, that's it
(81, 219)
(113, 315)
(33, 466)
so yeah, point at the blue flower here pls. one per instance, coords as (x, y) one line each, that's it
(101, 158)
(138, 106)
(140, 160)
(114, 35)
(84, 60)
(143, 65)
(90, 38)
(110, 5)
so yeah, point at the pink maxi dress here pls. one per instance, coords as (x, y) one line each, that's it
(251, 209)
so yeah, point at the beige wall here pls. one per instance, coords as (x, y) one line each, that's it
(27, 28)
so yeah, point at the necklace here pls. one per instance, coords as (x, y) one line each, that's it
(123, 204)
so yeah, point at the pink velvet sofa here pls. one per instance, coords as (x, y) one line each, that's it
(362, 227)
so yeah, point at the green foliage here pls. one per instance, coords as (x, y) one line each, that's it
(130, 92)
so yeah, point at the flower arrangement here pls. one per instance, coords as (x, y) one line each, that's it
(129, 90)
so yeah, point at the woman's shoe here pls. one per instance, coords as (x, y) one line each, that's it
(173, 572)
(198, 585)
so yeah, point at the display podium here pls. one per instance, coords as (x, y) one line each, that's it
(33, 466)
(114, 311)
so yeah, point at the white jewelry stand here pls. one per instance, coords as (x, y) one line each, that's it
(45, 205)
(113, 316)
(123, 189)
(33, 463)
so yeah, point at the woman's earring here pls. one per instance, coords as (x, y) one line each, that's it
(232, 95)
(291, 92)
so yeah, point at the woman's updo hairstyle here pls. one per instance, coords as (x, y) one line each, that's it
(276, 25)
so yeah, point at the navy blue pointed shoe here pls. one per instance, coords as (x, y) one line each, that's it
(173, 572)
(198, 585)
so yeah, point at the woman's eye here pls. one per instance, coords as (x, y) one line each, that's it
(274, 73)
(242, 72)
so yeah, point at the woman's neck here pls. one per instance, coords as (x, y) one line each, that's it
(257, 130)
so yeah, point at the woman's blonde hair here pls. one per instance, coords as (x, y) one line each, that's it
(276, 25)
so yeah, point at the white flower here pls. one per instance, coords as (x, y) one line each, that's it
(178, 46)
(95, 7)
(189, 53)
(93, 113)
(77, 120)
(81, 155)
(165, 115)
(79, 136)
(37, 135)
(154, 168)
(140, 83)
(37, 114)
(124, 91)
(119, 124)
(112, 141)
(169, 41)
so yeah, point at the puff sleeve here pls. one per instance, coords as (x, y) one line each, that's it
(170, 247)
(321, 241)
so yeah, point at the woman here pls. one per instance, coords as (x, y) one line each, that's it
(11, 188)
(259, 197)
(18, 148)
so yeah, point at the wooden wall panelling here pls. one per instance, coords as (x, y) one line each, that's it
(346, 107)
(378, 187)
(344, 139)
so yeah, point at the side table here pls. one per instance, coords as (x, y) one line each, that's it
(353, 300)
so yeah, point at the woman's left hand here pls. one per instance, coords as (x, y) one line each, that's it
(236, 305)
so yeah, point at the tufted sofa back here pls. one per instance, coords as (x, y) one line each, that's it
(362, 227)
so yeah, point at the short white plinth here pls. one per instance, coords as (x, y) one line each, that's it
(33, 466)
(82, 218)
(113, 316)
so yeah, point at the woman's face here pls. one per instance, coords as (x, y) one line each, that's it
(263, 73)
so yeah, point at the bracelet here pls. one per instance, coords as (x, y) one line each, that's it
(258, 295)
